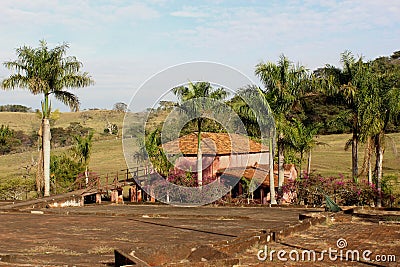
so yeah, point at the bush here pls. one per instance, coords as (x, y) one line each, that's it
(64, 171)
(61, 137)
(14, 188)
(311, 190)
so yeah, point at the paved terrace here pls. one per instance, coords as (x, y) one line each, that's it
(86, 236)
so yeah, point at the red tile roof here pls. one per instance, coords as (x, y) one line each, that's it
(214, 144)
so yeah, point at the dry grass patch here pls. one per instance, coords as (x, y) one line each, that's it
(46, 248)
(101, 250)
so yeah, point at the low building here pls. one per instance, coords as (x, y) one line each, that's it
(219, 150)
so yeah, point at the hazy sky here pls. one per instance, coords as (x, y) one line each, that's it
(123, 43)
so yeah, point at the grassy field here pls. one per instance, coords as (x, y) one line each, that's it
(332, 159)
(96, 119)
(107, 155)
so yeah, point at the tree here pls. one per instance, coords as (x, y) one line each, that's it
(285, 84)
(347, 84)
(120, 107)
(251, 105)
(47, 72)
(82, 151)
(150, 149)
(201, 91)
(381, 106)
(303, 140)
(15, 108)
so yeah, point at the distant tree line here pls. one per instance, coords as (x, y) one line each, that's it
(15, 108)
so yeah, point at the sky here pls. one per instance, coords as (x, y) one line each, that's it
(123, 43)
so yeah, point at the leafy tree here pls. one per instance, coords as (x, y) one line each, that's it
(120, 107)
(64, 171)
(6, 139)
(15, 187)
(202, 91)
(15, 108)
(47, 72)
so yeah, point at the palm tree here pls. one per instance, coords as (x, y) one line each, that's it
(47, 72)
(285, 84)
(150, 150)
(252, 107)
(347, 84)
(381, 106)
(201, 91)
(82, 151)
(303, 140)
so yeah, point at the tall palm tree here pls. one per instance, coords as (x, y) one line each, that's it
(252, 107)
(285, 85)
(347, 84)
(201, 91)
(381, 106)
(47, 72)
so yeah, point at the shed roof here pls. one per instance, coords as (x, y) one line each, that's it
(259, 172)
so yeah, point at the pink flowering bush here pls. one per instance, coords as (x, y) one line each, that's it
(311, 190)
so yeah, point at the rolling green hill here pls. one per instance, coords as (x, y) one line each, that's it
(107, 156)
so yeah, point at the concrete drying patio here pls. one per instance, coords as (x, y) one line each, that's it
(86, 236)
(161, 234)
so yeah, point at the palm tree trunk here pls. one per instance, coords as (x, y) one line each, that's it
(354, 156)
(379, 165)
(199, 157)
(281, 159)
(46, 155)
(309, 163)
(368, 155)
(369, 170)
(39, 173)
(86, 175)
(301, 162)
(271, 173)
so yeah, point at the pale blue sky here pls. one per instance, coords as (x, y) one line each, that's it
(123, 43)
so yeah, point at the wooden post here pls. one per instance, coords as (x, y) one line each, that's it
(133, 193)
(98, 198)
(98, 181)
(261, 195)
(114, 196)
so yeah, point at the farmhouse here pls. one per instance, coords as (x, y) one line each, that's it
(229, 155)
(219, 150)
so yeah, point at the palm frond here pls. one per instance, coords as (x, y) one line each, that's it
(67, 98)
(15, 81)
(75, 81)
(348, 144)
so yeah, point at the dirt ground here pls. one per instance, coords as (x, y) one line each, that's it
(87, 236)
